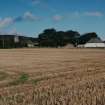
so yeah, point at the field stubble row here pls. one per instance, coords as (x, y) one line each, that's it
(52, 77)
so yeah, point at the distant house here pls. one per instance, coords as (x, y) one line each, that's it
(95, 42)
(30, 44)
(69, 46)
(17, 41)
(7, 41)
(80, 46)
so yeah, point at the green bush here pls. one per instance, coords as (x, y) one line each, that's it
(21, 80)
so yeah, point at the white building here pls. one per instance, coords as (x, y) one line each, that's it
(95, 42)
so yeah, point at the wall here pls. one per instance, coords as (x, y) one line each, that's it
(91, 45)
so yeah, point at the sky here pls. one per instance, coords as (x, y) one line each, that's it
(31, 17)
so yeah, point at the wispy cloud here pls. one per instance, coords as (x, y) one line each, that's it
(27, 16)
(96, 14)
(57, 17)
(77, 14)
(6, 21)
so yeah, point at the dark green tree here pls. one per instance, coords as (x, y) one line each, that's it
(53, 38)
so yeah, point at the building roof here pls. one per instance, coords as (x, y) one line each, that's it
(69, 46)
(95, 40)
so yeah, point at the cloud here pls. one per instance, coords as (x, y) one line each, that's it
(6, 21)
(96, 14)
(78, 14)
(27, 16)
(57, 17)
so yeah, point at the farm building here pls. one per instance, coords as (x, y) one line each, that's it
(95, 42)
(69, 46)
(16, 41)
(31, 44)
(80, 46)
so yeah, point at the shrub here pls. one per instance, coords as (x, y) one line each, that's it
(21, 80)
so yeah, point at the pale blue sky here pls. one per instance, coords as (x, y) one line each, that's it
(31, 17)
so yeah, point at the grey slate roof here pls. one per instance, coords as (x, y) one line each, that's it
(95, 40)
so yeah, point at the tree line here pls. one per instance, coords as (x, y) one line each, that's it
(53, 38)
(48, 38)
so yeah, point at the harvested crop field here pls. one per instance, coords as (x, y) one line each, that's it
(52, 76)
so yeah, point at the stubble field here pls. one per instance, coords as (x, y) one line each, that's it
(52, 76)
